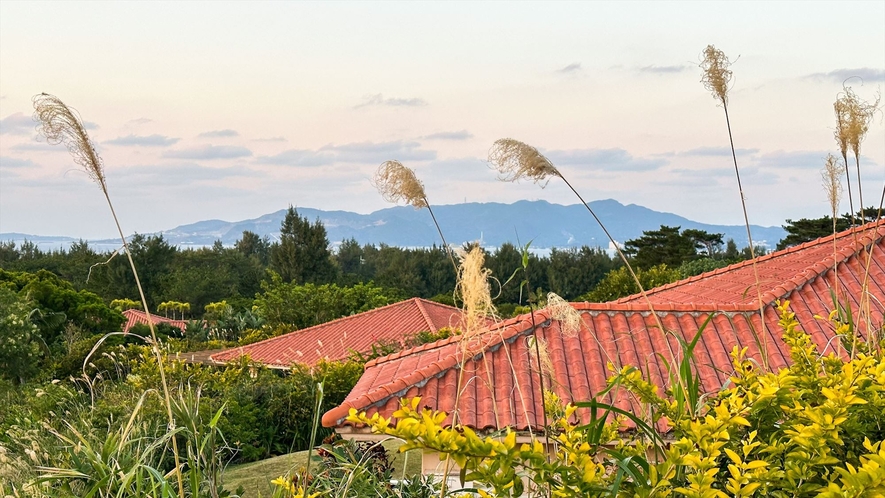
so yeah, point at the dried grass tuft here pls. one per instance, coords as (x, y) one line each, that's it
(568, 317)
(62, 125)
(516, 160)
(473, 286)
(537, 347)
(398, 183)
(717, 76)
(859, 114)
(832, 174)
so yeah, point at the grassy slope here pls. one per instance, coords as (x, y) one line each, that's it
(255, 477)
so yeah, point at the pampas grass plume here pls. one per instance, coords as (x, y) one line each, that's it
(516, 160)
(396, 183)
(831, 174)
(568, 317)
(473, 286)
(61, 125)
(717, 74)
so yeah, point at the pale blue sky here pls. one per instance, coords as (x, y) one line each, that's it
(232, 110)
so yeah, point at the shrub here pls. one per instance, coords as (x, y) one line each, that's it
(814, 428)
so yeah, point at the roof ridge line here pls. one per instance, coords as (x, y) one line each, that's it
(633, 307)
(873, 225)
(443, 342)
(821, 268)
(324, 324)
(420, 305)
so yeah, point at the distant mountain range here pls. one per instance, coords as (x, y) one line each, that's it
(546, 225)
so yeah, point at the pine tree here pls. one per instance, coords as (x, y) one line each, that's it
(302, 255)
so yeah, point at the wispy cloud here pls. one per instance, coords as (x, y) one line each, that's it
(271, 139)
(802, 159)
(15, 162)
(180, 174)
(379, 100)
(89, 125)
(219, 134)
(363, 153)
(604, 159)
(209, 152)
(715, 151)
(867, 74)
(139, 121)
(572, 68)
(143, 141)
(449, 135)
(664, 69)
(17, 124)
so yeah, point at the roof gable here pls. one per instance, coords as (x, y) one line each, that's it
(134, 316)
(335, 340)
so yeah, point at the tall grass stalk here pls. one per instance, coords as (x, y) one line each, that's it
(62, 125)
(831, 174)
(516, 160)
(716, 79)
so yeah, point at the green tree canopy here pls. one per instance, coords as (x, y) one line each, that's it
(287, 304)
(808, 229)
(668, 246)
(302, 255)
(619, 283)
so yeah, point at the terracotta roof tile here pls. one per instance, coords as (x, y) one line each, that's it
(336, 339)
(134, 316)
(501, 386)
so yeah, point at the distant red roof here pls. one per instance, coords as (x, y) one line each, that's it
(336, 339)
(134, 316)
(500, 386)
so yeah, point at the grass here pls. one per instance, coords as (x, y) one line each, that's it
(255, 477)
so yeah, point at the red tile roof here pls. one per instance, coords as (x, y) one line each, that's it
(137, 316)
(500, 380)
(336, 339)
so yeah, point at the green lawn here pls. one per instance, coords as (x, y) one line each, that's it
(255, 477)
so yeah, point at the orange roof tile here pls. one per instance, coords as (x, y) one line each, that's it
(500, 386)
(336, 339)
(134, 316)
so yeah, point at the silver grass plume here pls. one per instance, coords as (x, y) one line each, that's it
(568, 317)
(831, 175)
(396, 183)
(516, 160)
(717, 74)
(62, 125)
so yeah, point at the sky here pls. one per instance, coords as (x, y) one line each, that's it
(230, 110)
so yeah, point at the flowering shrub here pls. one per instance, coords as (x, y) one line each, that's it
(814, 428)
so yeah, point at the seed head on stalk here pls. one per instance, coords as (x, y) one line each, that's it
(398, 183)
(832, 176)
(717, 74)
(516, 160)
(62, 125)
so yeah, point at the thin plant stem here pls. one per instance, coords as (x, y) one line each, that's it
(763, 349)
(441, 236)
(154, 346)
(623, 256)
(848, 180)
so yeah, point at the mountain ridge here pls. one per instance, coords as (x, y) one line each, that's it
(546, 224)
